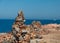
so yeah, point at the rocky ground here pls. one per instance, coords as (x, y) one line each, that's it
(49, 35)
(33, 33)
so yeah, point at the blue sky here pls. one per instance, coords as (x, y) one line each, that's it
(32, 9)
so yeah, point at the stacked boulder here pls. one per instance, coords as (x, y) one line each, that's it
(25, 33)
(18, 30)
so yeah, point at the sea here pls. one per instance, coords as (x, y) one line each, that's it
(6, 24)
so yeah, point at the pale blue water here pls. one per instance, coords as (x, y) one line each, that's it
(6, 24)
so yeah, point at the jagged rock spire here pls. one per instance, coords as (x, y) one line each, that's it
(20, 16)
(20, 13)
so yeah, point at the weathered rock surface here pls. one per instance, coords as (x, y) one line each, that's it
(33, 33)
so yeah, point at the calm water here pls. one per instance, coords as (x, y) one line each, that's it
(6, 24)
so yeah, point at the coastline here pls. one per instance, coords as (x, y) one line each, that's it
(35, 32)
(51, 30)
